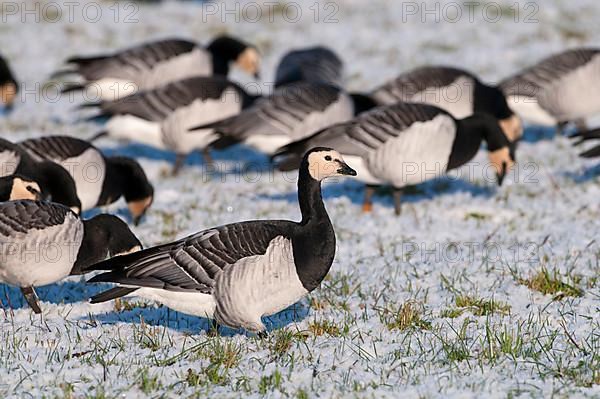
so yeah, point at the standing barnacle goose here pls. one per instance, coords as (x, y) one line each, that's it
(43, 242)
(55, 182)
(313, 64)
(239, 272)
(560, 89)
(99, 180)
(405, 144)
(16, 187)
(157, 63)
(8, 85)
(163, 116)
(454, 90)
(293, 112)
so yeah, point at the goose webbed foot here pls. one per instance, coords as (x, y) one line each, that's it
(32, 299)
(397, 194)
(368, 204)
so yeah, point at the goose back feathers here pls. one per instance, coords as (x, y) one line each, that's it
(314, 64)
(560, 88)
(293, 112)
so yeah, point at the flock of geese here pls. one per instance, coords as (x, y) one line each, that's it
(176, 95)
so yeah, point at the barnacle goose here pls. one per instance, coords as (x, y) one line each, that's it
(43, 242)
(291, 113)
(153, 64)
(9, 87)
(239, 272)
(163, 116)
(557, 90)
(312, 64)
(55, 182)
(405, 144)
(99, 180)
(454, 90)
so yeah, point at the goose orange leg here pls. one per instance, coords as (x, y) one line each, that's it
(368, 204)
(397, 200)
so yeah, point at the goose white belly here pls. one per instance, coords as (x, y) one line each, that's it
(132, 128)
(175, 134)
(9, 161)
(362, 170)
(89, 171)
(192, 303)
(257, 286)
(530, 110)
(109, 89)
(419, 153)
(40, 257)
(267, 143)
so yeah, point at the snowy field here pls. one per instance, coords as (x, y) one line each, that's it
(474, 291)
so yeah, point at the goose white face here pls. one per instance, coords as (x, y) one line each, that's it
(249, 61)
(512, 127)
(27, 190)
(328, 163)
(138, 208)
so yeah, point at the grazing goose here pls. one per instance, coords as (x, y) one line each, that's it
(163, 116)
(405, 144)
(8, 85)
(293, 112)
(55, 182)
(454, 90)
(151, 65)
(313, 64)
(239, 272)
(99, 180)
(16, 187)
(43, 242)
(557, 90)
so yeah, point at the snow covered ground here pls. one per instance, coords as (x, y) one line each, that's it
(474, 291)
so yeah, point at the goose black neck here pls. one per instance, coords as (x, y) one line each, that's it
(362, 103)
(6, 183)
(469, 135)
(224, 50)
(491, 100)
(124, 177)
(309, 196)
(57, 182)
(103, 235)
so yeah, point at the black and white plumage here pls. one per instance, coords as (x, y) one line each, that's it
(454, 90)
(17, 187)
(405, 144)
(55, 182)
(559, 89)
(43, 242)
(151, 65)
(239, 272)
(162, 117)
(313, 64)
(9, 87)
(99, 180)
(293, 112)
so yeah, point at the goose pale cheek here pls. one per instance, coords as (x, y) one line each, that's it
(512, 128)
(138, 208)
(501, 161)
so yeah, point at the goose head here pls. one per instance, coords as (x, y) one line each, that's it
(323, 162)
(23, 188)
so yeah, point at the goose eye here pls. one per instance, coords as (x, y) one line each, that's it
(328, 157)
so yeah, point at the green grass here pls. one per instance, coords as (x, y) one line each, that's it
(477, 306)
(550, 283)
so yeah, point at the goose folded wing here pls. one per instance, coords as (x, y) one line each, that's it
(156, 104)
(281, 113)
(54, 147)
(192, 263)
(23, 216)
(546, 72)
(127, 64)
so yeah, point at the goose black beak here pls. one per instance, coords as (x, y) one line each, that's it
(501, 176)
(346, 170)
